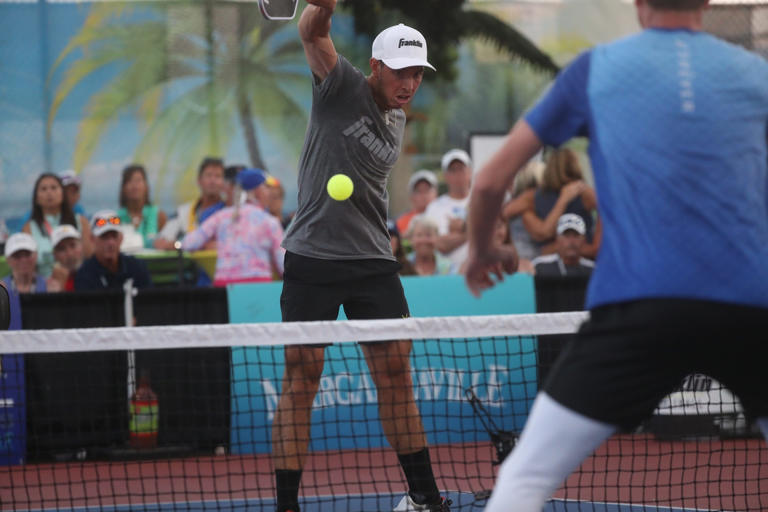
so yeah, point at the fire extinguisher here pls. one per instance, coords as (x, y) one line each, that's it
(143, 415)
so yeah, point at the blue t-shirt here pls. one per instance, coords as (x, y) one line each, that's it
(678, 128)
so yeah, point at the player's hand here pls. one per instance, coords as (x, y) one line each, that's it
(484, 271)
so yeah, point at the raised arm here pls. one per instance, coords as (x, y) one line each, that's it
(545, 229)
(315, 33)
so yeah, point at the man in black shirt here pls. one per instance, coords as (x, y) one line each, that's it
(567, 261)
(108, 268)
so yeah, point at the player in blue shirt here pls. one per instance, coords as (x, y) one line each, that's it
(677, 122)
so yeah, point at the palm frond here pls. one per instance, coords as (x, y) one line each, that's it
(482, 25)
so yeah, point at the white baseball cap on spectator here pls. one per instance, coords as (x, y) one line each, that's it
(401, 46)
(571, 221)
(19, 242)
(62, 233)
(70, 177)
(105, 221)
(422, 175)
(455, 154)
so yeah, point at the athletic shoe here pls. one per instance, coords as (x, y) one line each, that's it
(408, 505)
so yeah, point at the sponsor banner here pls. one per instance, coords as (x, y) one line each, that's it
(501, 373)
(12, 410)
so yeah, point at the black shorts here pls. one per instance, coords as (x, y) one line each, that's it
(628, 356)
(314, 289)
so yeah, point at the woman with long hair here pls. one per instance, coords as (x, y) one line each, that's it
(562, 190)
(136, 208)
(51, 209)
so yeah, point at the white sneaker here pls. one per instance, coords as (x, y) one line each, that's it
(408, 505)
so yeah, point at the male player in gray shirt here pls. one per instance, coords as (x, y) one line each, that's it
(338, 252)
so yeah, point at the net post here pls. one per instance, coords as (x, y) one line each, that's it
(128, 292)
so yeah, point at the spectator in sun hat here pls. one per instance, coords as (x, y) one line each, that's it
(567, 260)
(21, 256)
(68, 256)
(422, 190)
(109, 268)
(247, 237)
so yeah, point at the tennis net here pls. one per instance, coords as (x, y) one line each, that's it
(180, 418)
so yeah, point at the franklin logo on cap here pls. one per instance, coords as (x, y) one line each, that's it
(105, 221)
(571, 221)
(401, 47)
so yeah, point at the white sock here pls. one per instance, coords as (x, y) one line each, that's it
(553, 443)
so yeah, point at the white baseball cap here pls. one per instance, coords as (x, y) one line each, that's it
(70, 177)
(422, 175)
(62, 233)
(19, 242)
(571, 221)
(104, 221)
(401, 47)
(455, 154)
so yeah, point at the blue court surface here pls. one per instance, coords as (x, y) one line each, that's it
(360, 503)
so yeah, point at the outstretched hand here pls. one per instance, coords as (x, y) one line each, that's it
(482, 269)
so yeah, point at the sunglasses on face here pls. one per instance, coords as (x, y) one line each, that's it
(115, 221)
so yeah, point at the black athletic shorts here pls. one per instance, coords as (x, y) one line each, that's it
(628, 356)
(314, 289)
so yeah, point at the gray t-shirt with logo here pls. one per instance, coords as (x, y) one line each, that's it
(347, 134)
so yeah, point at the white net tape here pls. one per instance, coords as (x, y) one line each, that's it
(293, 333)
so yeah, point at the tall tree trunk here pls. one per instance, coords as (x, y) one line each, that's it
(249, 129)
(244, 105)
(211, 72)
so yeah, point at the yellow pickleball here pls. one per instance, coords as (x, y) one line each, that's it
(340, 187)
